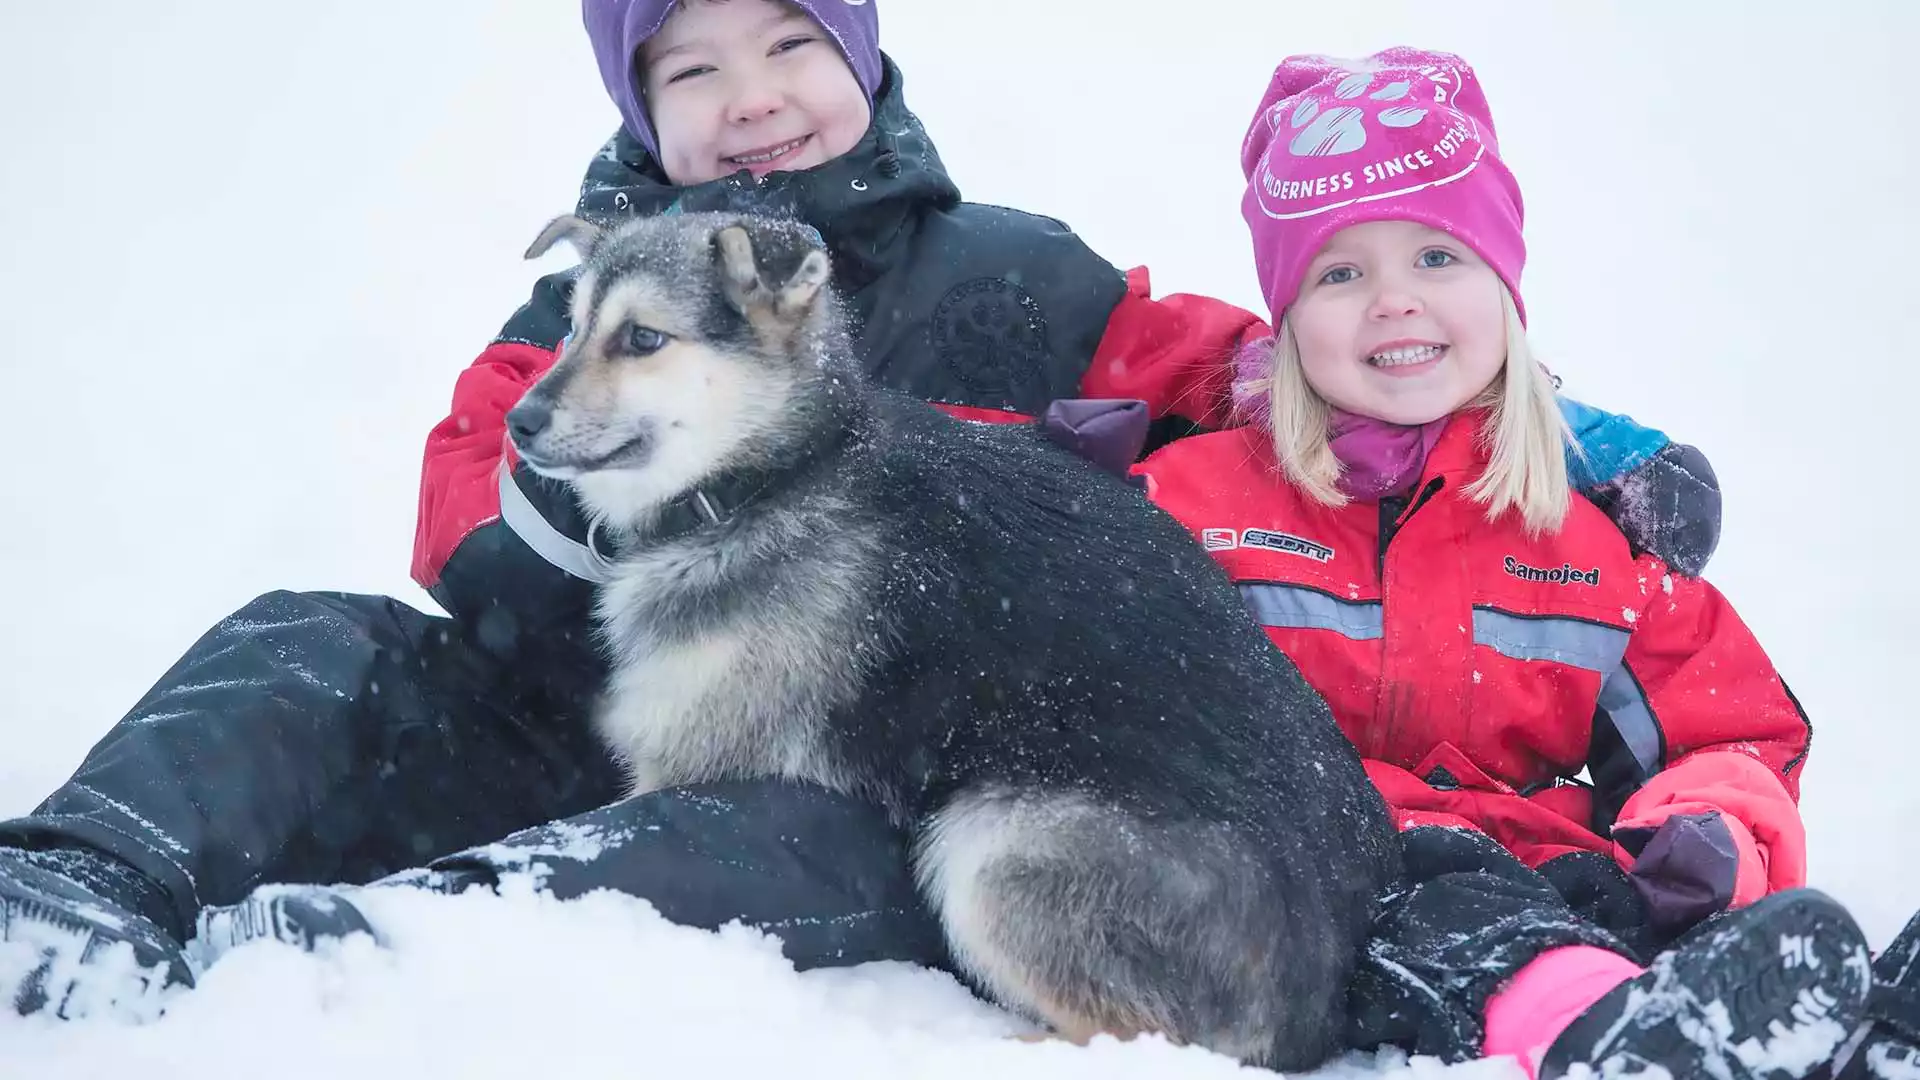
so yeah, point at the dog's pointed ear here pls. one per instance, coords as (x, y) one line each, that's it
(771, 274)
(737, 270)
(584, 235)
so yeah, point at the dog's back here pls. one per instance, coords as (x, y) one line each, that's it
(1112, 725)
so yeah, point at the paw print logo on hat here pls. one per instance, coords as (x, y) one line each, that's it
(1394, 121)
(1342, 129)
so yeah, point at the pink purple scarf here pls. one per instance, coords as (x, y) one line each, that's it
(1380, 458)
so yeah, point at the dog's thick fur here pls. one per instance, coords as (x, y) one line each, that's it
(1131, 813)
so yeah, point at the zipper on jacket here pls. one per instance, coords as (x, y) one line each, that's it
(1390, 508)
(1394, 512)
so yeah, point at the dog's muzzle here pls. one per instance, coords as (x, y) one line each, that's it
(530, 427)
(527, 422)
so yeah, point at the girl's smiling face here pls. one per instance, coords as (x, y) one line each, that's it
(1399, 321)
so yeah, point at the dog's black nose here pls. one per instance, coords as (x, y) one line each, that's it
(528, 419)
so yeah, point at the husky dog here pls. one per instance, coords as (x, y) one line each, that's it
(1130, 812)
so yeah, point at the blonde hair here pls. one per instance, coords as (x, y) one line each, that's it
(1524, 433)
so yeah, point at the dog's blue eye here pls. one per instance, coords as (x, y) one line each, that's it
(642, 340)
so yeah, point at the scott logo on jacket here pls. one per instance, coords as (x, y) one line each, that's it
(1564, 575)
(1269, 539)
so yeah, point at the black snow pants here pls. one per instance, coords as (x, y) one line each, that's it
(330, 738)
(336, 738)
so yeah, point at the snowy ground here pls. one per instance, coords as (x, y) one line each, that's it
(248, 246)
(655, 1000)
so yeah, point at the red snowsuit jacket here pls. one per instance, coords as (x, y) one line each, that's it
(1480, 671)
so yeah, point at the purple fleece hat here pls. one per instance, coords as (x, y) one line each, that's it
(619, 27)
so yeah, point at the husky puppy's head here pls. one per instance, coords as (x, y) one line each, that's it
(701, 343)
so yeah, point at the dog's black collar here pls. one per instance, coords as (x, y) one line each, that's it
(708, 505)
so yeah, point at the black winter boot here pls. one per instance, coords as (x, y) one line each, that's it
(1887, 1046)
(309, 916)
(1879, 1051)
(1768, 992)
(70, 951)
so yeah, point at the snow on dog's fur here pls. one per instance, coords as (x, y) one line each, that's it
(1130, 811)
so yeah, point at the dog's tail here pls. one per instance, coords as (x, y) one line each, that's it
(1097, 920)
